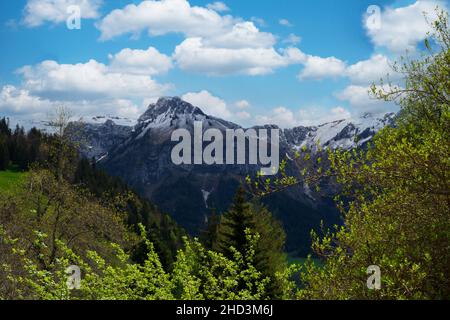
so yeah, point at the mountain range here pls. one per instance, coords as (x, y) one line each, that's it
(140, 154)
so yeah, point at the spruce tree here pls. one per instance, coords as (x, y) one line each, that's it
(233, 225)
(210, 234)
(269, 256)
(4, 153)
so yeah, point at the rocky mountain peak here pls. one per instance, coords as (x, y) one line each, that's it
(173, 107)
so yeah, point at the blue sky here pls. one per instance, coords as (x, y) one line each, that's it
(286, 62)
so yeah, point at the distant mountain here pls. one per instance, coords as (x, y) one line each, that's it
(140, 155)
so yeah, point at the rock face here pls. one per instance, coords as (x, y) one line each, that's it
(97, 139)
(141, 155)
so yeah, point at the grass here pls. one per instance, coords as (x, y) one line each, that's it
(10, 178)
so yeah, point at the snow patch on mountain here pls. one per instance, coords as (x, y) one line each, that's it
(171, 113)
(206, 195)
(341, 134)
(101, 119)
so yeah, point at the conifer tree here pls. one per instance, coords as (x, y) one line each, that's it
(269, 256)
(234, 222)
(210, 235)
(4, 153)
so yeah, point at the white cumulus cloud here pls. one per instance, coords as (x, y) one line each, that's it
(37, 12)
(280, 116)
(91, 88)
(242, 35)
(371, 70)
(359, 98)
(192, 55)
(86, 81)
(162, 17)
(402, 28)
(214, 43)
(14, 100)
(143, 62)
(242, 104)
(318, 68)
(209, 104)
(292, 39)
(218, 6)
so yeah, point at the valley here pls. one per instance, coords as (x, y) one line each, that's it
(141, 156)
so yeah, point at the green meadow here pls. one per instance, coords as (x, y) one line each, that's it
(10, 178)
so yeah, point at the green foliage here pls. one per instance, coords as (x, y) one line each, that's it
(205, 274)
(125, 280)
(49, 224)
(197, 274)
(399, 215)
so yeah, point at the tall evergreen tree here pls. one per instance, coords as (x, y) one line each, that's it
(269, 256)
(4, 127)
(210, 234)
(233, 225)
(4, 153)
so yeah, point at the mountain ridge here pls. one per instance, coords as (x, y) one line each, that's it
(171, 113)
(141, 155)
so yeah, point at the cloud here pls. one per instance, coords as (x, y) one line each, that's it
(316, 116)
(140, 62)
(90, 88)
(163, 17)
(90, 80)
(192, 55)
(209, 104)
(259, 21)
(286, 118)
(37, 12)
(359, 98)
(285, 22)
(218, 107)
(319, 68)
(19, 101)
(243, 116)
(371, 70)
(242, 35)
(242, 104)
(280, 116)
(292, 39)
(214, 44)
(364, 72)
(401, 29)
(178, 16)
(218, 6)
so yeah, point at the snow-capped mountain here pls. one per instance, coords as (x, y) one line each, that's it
(342, 134)
(141, 155)
(169, 114)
